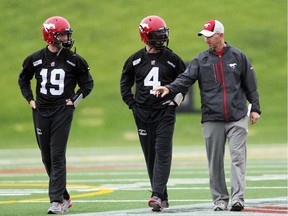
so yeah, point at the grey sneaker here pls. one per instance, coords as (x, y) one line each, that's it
(55, 208)
(221, 206)
(237, 206)
(66, 204)
(165, 204)
(155, 202)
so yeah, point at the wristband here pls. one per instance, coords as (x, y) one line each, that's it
(77, 98)
(178, 99)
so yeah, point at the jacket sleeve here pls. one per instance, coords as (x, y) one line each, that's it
(250, 85)
(185, 79)
(126, 83)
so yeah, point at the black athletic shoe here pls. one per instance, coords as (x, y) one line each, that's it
(155, 203)
(237, 206)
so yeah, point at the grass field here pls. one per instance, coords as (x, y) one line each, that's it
(109, 179)
(106, 33)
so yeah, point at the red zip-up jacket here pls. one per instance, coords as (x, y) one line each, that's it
(226, 83)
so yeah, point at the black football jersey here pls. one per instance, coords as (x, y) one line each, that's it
(56, 77)
(148, 71)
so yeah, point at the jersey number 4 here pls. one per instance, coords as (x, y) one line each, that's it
(152, 79)
(56, 78)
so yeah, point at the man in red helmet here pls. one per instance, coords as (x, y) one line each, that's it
(58, 71)
(152, 66)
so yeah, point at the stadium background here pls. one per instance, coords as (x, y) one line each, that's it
(106, 33)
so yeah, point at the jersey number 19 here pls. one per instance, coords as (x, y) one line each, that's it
(56, 78)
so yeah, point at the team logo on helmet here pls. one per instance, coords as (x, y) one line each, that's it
(48, 26)
(143, 26)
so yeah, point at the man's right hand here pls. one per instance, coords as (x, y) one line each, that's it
(32, 104)
(161, 90)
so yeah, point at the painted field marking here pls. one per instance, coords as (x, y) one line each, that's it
(274, 171)
(253, 207)
(99, 191)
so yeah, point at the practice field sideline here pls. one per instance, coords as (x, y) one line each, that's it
(109, 180)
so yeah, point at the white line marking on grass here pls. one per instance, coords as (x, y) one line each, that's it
(117, 201)
(29, 192)
(257, 207)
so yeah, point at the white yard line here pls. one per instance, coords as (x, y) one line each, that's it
(203, 209)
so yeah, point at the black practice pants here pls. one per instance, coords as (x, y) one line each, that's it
(52, 127)
(156, 134)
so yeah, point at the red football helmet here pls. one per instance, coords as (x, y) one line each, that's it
(153, 31)
(54, 26)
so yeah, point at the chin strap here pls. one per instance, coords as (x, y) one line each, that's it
(58, 53)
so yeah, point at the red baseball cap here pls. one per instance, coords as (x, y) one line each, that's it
(212, 27)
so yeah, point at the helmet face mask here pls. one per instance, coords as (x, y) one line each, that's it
(158, 38)
(153, 31)
(66, 44)
(55, 26)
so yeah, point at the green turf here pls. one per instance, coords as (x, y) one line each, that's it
(106, 33)
(123, 172)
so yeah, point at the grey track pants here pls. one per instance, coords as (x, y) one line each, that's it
(216, 134)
